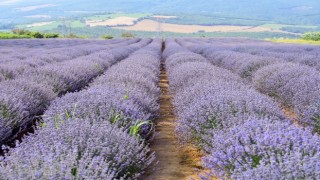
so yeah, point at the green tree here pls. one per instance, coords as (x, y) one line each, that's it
(107, 37)
(37, 35)
(313, 36)
(51, 35)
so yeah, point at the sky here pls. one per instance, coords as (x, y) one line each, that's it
(8, 2)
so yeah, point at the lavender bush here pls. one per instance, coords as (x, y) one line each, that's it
(265, 150)
(13, 68)
(218, 96)
(171, 47)
(37, 88)
(78, 149)
(128, 88)
(305, 55)
(242, 132)
(295, 86)
(90, 134)
(253, 49)
(20, 101)
(240, 63)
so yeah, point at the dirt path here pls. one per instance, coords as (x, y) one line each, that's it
(173, 161)
(291, 115)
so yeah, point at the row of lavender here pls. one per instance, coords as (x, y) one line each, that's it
(16, 52)
(307, 55)
(15, 66)
(11, 52)
(303, 54)
(22, 49)
(27, 96)
(95, 133)
(250, 45)
(294, 85)
(34, 43)
(242, 132)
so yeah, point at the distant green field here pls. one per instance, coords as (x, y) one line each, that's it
(78, 23)
(53, 25)
(196, 19)
(99, 31)
(292, 28)
(111, 16)
(279, 26)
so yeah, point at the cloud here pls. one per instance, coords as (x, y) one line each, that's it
(39, 16)
(32, 8)
(8, 2)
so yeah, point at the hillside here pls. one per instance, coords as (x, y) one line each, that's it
(281, 11)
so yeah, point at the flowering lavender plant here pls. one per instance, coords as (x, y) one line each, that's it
(35, 89)
(78, 149)
(262, 148)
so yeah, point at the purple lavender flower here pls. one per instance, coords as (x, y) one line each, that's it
(78, 149)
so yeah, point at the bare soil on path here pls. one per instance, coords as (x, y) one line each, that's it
(173, 160)
(291, 115)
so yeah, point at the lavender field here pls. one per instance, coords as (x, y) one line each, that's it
(127, 109)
